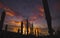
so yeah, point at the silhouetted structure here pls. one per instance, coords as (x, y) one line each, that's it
(2, 19)
(18, 30)
(48, 16)
(22, 27)
(32, 29)
(27, 25)
(6, 27)
(35, 32)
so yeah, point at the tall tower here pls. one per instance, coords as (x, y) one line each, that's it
(48, 16)
(2, 19)
(22, 27)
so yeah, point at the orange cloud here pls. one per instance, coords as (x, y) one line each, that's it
(41, 14)
(41, 10)
(9, 12)
(13, 22)
(33, 18)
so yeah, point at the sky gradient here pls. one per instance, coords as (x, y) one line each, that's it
(18, 10)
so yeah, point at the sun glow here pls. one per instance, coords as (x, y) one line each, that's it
(35, 31)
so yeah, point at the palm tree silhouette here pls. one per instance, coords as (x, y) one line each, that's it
(48, 16)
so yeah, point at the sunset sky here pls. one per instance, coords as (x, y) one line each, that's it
(18, 10)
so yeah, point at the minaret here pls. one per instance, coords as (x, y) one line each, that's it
(48, 16)
(22, 27)
(2, 19)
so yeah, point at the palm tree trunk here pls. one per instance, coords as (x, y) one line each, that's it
(48, 16)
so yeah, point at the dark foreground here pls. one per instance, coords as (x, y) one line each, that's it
(5, 34)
